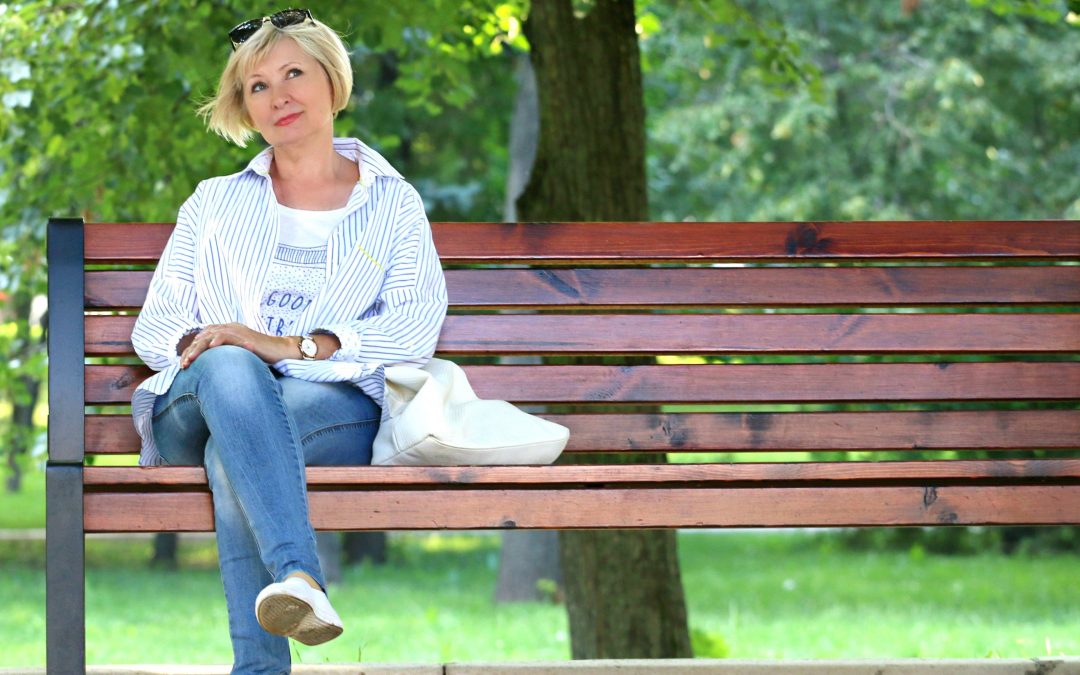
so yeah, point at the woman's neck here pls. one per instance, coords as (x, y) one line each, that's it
(309, 164)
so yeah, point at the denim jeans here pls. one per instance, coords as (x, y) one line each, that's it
(255, 431)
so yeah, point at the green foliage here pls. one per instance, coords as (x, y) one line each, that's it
(1042, 10)
(934, 114)
(708, 645)
(97, 102)
(962, 541)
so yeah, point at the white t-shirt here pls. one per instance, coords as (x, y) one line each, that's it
(298, 270)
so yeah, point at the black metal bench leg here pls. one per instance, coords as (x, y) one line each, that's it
(65, 589)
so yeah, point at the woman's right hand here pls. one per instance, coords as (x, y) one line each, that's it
(269, 348)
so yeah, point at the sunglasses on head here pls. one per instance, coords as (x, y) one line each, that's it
(286, 17)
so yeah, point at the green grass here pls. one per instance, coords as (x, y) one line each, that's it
(796, 596)
(750, 595)
(25, 508)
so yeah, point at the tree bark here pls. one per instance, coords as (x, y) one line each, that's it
(524, 132)
(623, 589)
(20, 436)
(590, 160)
(529, 567)
(166, 547)
(361, 546)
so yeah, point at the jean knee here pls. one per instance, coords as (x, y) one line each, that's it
(232, 367)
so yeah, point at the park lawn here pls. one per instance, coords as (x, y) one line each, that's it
(24, 509)
(782, 595)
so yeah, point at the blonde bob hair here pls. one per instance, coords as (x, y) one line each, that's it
(225, 113)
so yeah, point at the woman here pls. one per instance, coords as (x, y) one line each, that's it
(283, 291)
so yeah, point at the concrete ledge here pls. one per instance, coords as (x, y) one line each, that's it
(1045, 666)
(321, 669)
(1057, 666)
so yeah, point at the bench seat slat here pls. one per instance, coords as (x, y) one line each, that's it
(704, 287)
(715, 333)
(723, 383)
(618, 508)
(701, 242)
(645, 475)
(695, 432)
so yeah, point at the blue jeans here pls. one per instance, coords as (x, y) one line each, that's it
(255, 431)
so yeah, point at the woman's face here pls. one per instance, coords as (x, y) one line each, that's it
(287, 95)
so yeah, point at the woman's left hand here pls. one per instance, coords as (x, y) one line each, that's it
(269, 348)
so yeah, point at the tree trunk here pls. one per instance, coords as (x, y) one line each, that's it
(524, 133)
(328, 547)
(21, 434)
(590, 160)
(624, 592)
(361, 546)
(529, 569)
(166, 547)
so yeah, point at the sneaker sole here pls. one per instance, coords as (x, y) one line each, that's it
(292, 617)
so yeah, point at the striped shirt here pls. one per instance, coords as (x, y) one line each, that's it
(384, 295)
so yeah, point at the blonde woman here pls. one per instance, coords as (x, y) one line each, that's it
(283, 291)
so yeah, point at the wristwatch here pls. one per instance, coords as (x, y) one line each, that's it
(309, 349)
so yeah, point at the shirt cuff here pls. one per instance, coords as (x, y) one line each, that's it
(175, 342)
(349, 339)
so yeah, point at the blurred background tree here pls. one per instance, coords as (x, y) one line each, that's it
(928, 111)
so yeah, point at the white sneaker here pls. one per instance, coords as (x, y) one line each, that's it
(294, 609)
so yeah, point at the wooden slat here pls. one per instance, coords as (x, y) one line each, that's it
(766, 432)
(743, 383)
(715, 334)
(705, 287)
(647, 476)
(623, 242)
(619, 508)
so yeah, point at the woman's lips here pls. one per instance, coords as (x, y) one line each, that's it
(288, 119)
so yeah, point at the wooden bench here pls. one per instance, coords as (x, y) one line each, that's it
(795, 313)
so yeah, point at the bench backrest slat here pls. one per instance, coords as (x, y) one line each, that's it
(685, 242)
(761, 432)
(722, 383)
(595, 288)
(715, 334)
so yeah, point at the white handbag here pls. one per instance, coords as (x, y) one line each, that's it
(433, 418)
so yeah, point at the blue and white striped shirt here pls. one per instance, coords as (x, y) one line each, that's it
(384, 295)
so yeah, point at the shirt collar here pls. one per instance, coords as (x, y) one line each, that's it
(371, 163)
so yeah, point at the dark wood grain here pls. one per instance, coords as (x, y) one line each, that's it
(550, 334)
(599, 288)
(743, 383)
(764, 432)
(703, 242)
(618, 508)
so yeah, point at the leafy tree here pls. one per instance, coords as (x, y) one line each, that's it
(925, 111)
(97, 107)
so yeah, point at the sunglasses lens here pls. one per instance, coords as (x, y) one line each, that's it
(289, 17)
(245, 30)
(282, 19)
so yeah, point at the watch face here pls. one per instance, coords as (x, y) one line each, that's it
(308, 347)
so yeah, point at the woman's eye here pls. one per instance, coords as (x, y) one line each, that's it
(257, 87)
(295, 72)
